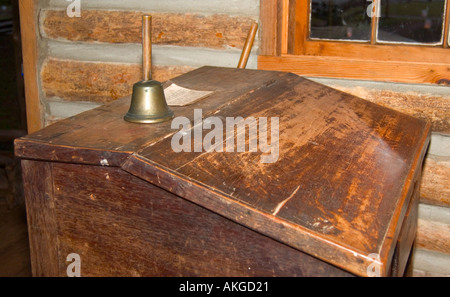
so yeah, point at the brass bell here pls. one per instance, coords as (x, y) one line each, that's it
(148, 103)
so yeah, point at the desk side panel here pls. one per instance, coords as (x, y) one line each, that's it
(121, 225)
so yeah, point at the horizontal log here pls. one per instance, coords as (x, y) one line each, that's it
(434, 236)
(97, 82)
(431, 251)
(426, 263)
(181, 29)
(435, 186)
(422, 273)
(433, 108)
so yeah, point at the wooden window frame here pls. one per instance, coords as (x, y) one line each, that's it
(285, 47)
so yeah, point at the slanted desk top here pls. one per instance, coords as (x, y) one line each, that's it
(342, 186)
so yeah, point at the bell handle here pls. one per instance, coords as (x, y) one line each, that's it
(147, 47)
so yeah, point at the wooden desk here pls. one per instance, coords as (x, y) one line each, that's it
(342, 193)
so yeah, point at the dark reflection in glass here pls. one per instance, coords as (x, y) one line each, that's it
(411, 21)
(340, 19)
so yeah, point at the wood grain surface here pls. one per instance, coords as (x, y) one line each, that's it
(42, 225)
(218, 31)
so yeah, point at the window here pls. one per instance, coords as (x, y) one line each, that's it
(389, 40)
(396, 21)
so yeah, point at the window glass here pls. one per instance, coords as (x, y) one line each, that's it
(340, 20)
(411, 21)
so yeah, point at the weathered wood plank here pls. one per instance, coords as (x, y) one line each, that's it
(42, 223)
(268, 17)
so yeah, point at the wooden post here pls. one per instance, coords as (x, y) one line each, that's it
(27, 10)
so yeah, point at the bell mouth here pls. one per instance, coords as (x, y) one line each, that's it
(148, 119)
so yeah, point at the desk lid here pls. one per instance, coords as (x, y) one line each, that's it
(336, 184)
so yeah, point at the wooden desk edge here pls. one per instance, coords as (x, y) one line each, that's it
(398, 219)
